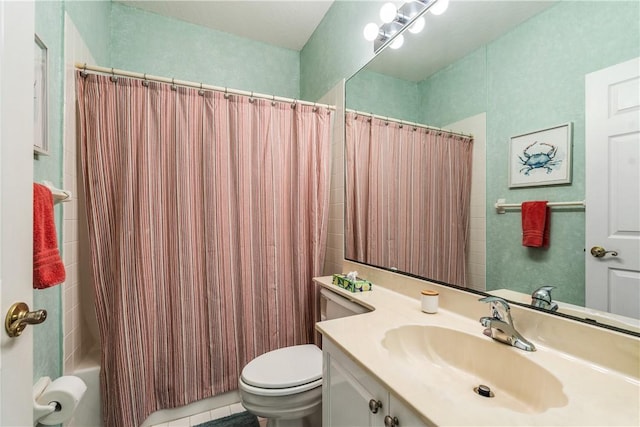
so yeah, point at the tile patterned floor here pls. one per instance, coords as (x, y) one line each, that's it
(194, 420)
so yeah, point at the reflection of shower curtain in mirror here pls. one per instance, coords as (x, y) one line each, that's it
(408, 192)
(208, 219)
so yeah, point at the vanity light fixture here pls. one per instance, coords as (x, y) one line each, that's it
(371, 31)
(388, 12)
(417, 26)
(397, 42)
(395, 20)
(440, 7)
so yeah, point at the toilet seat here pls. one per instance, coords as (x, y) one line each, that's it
(284, 371)
(275, 392)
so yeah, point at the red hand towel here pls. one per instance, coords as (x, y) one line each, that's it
(48, 269)
(535, 224)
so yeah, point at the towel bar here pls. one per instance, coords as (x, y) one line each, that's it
(58, 194)
(501, 205)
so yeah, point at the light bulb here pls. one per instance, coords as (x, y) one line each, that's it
(417, 26)
(440, 7)
(397, 42)
(388, 12)
(371, 31)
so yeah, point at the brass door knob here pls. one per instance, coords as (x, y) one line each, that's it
(19, 316)
(599, 252)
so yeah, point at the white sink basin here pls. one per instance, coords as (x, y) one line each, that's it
(436, 354)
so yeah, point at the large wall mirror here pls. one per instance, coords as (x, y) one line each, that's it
(497, 70)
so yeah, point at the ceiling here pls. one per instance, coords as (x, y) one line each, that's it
(287, 24)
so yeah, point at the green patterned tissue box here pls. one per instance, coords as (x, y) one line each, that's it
(358, 285)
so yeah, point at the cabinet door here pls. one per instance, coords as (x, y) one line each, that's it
(406, 417)
(347, 392)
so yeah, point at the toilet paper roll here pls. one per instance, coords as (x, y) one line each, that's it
(65, 392)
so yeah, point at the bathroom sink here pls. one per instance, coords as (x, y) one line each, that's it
(436, 354)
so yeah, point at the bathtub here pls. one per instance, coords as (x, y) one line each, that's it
(89, 412)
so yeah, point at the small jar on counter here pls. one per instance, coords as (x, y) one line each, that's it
(430, 301)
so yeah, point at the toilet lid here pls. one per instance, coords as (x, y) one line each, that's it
(285, 367)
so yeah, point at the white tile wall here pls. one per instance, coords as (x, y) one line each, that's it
(76, 339)
(335, 237)
(476, 255)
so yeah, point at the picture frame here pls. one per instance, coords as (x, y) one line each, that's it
(541, 158)
(40, 98)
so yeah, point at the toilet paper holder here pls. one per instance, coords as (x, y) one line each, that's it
(53, 412)
(40, 411)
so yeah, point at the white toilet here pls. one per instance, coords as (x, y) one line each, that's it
(285, 385)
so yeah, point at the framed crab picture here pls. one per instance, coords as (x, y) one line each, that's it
(541, 158)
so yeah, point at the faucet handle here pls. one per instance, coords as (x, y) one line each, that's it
(496, 304)
(495, 299)
(543, 293)
(541, 297)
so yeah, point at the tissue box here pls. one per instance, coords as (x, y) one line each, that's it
(358, 285)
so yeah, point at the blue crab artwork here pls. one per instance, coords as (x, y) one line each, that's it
(539, 160)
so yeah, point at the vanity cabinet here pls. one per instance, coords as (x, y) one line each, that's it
(351, 397)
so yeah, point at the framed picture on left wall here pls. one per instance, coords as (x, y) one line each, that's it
(40, 102)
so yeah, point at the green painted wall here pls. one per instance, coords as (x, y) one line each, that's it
(47, 337)
(337, 49)
(527, 89)
(149, 43)
(383, 95)
(457, 92)
(92, 18)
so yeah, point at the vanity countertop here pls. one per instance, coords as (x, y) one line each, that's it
(595, 395)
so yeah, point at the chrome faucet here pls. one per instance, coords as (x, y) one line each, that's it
(499, 325)
(541, 297)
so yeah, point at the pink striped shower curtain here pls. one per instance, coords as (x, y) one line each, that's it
(207, 220)
(408, 192)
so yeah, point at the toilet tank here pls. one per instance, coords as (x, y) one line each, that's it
(334, 306)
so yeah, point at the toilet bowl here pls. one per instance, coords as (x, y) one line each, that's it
(285, 386)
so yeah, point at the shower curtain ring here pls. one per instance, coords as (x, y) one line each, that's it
(226, 94)
(251, 100)
(273, 100)
(84, 73)
(145, 82)
(293, 104)
(173, 84)
(113, 77)
(401, 125)
(315, 108)
(201, 91)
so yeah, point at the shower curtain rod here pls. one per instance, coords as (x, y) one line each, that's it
(404, 122)
(144, 76)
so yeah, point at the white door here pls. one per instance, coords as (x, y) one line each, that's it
(16, 175)
(613, 189)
